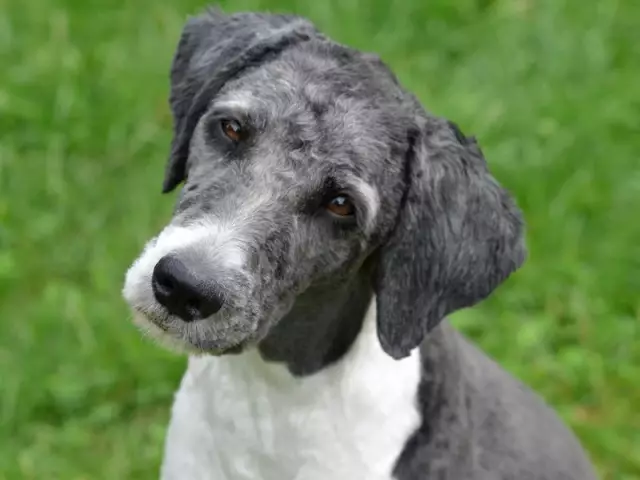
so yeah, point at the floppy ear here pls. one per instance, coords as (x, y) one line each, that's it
(213, 49)
(458, 236)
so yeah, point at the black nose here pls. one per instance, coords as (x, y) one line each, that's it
(182, 291)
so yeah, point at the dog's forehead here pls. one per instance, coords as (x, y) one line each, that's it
(336, 115)
(287, 97)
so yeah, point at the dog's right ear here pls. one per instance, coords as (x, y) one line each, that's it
(185, 83)
(213, 49)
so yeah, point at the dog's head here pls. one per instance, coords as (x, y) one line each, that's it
(305, 164)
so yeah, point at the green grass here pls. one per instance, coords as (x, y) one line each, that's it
(551, 88)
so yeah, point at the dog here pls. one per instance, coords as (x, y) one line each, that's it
(325, 227)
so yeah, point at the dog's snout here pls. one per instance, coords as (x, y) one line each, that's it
(182, 291)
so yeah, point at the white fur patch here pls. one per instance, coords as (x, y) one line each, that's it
(370, 197)
(240, 418)
(209, 239)
(237, 100)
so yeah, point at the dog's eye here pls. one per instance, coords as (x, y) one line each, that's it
(232, 129)
(341, 206)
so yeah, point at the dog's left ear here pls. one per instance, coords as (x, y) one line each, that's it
(458, 236)
(213, 49)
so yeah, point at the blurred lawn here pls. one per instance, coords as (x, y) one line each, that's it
(551, 87)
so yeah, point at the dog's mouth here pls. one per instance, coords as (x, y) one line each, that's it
(223, 335)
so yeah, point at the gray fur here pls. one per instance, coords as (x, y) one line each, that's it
(459, 236)
(324, 118)
(479, 423)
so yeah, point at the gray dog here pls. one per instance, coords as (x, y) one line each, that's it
(326, 226)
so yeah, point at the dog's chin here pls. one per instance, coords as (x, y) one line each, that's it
(194, 338)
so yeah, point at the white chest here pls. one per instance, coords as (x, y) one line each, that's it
(239, 418)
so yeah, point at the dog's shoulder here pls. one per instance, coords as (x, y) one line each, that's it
(481, 422)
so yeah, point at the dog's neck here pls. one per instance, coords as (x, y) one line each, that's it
(363, 416)
(321, 327)
(243, 417)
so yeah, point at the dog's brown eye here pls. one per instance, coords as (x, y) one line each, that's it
(341, 206)
(232, 129)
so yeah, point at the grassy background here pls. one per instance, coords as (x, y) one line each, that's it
(551, 87)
